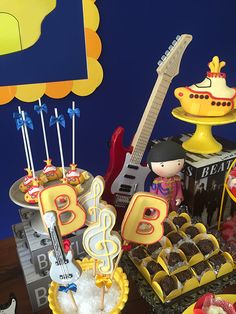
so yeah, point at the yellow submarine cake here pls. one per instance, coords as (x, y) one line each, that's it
(210, 98)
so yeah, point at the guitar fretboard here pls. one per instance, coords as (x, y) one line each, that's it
(57, 246)
(149, 117)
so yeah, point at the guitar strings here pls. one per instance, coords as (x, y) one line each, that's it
(62, 265)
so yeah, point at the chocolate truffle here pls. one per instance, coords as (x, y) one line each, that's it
(184, 275)
(139, 253)
(179, 221)
(168, 284)
(175, 237)
(200, 267)
(205, 246)
(174, 258)
(153, 267)
(153, 247)
(192, 231)
(189, 249)
(217, 260)
(167, 227)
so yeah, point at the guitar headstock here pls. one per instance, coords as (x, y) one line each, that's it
(170, 62)
(50, 219)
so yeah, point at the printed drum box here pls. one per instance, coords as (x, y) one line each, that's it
(203, 179)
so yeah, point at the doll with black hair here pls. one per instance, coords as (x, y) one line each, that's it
(166, 160)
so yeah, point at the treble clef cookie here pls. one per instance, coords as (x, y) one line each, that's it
(100, 242)
(91, 201)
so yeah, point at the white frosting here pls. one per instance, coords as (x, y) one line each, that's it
(47, 169)
(216, 86)
(27, 180)
(213, 309)
(73, 173)
(35, 189)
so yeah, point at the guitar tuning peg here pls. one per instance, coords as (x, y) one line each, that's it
(170, 47)
(163, 57)
(178, 37)
(159, 62)
(167, 52)
(174, 42)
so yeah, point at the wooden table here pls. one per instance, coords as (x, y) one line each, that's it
(12, 280)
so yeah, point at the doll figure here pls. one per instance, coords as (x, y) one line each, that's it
(166, 160)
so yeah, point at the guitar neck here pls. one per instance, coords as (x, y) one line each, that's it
(57, 246)
(149, 117)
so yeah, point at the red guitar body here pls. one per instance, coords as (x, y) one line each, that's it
(117, 158)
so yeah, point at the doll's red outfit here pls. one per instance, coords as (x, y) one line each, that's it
(168, 188)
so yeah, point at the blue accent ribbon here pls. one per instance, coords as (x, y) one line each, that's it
(60, 120)
(70, 287)
(20, 122)
(38, 108)
(72, 112)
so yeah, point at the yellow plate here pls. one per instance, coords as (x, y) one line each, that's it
(227, 297)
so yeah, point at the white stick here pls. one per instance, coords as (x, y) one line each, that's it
(44, 131)
(28, 144)
(60, 145)
(24, 140)
(73, 134)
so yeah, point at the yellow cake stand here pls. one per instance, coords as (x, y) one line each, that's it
(202, 141)
(119, 277)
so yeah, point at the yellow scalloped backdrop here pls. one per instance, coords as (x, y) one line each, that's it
(32, 92)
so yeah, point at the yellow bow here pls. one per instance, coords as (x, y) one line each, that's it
(102, 280)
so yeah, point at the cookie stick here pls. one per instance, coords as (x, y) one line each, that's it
(24, 140)
(59, 120)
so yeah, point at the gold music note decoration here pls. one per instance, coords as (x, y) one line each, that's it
(91, 201)
(101, 243)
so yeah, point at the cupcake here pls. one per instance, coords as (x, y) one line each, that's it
(153, 268)
(192, 231)
(168, 284)
(201, 267)
(217, 261)
(138, 254)
(205, 246)
(167, 228)
(189, 249)
(184, 275)
(179, 221)
(175, 237)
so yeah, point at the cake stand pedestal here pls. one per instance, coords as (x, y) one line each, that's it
(202, 141)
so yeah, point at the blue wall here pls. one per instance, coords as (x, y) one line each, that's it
(134, 35)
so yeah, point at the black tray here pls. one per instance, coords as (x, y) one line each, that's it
(179, 304)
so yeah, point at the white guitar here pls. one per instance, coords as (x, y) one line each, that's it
(9, 307)
(125, 174)
(63, 270)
